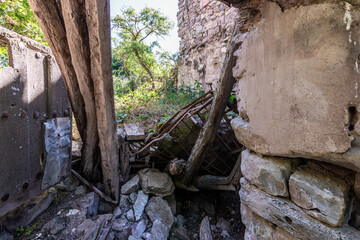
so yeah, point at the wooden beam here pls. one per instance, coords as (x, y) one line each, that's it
(222, 95)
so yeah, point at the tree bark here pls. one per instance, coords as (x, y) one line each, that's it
(78, 32)
(222, 95)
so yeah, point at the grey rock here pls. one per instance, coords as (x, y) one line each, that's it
(132, 197)
(131, 186)
(257, 227)
(172, 202)
(91, 230)
(158, 209)
(287, 215)
(146, 235)
(69, 184)
(180, 220)
(179, 230)
(159, 231)
(119, 224)
(131, 237)
(80, 190)
(124, 201)
(134, 131)
(104, 208)
(139, 205)
(6, 236)
(323, 196)
(91, 202)
(205, 230)
(121, 134)
(267, 173)
(117, 213)
(55, 225)
(130, 215)
(139, 229)
(25, 214)
(154, 182)
(76, 149)
(111, 236)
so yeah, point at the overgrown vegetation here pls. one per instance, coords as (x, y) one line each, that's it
(145, 76)
(16, 15)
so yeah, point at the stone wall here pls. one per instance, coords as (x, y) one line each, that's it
(204, 28)
(298, 100)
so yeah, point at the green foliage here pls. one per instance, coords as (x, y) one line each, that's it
(17, 16)
(22, 231)
(132, 46)
(145, 102)
(4, 56)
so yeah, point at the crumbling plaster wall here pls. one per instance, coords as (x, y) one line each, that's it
(297, 89)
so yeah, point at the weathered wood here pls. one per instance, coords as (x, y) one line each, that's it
(78, 33)
(73, 13)
(98, 21)
(222, 95)
(50, 21)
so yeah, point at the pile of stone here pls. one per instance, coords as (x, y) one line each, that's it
(285, 198)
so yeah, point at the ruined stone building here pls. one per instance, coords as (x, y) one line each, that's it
(298, 97)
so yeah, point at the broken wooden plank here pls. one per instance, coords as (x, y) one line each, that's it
(222, 95)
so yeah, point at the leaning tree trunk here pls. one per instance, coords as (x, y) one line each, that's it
(78, 32)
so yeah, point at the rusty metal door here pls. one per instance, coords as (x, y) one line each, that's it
(32, 93)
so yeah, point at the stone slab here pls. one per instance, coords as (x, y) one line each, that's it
(322, 195)
(134, 131)
(270, 174)
(290, 217)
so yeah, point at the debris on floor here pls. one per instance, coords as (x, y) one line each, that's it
(148, 209)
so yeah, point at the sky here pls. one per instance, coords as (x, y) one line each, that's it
(168, 7)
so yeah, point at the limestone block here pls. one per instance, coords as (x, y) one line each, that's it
(139, 205)
(153, 181)
(131, 186)
(158, 209)
(267, 173)
(287, 215)
(259, 228)
(290, 91)
(323, 196)
(134, 131)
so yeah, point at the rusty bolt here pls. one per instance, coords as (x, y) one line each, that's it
(66, 112)
(37, 55)
(36, 114)
(5, 114)
(54, 114)
(23, 114)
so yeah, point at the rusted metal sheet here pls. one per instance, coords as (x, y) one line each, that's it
(57, 150)
(30, 90)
